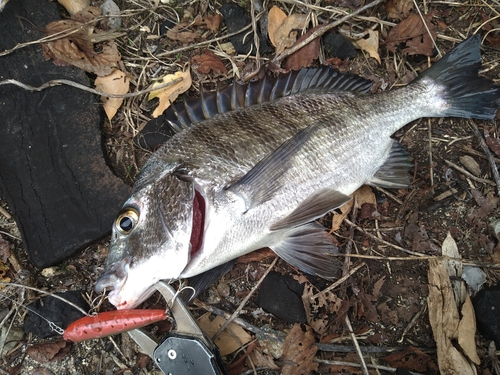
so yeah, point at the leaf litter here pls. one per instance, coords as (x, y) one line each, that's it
(382, 298)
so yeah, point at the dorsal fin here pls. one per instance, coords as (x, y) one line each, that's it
(182, 114)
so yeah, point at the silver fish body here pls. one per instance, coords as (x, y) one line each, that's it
(258, 176)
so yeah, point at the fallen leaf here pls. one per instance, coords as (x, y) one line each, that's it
(182, 36)
(50, 351)
(467, 331)
(493, 143)
(77, 49)
(213, 21)
(275, 19)
(399, 9)
(257, 256)
(471, 164)
(369, 45)
(286, 35)
(299, 351)
(261, 359)
(167, 95)
(208, 61)
(114, 83)
(3, 272)
(230, 340)
(338, 217)
(306, 55)
(5, 247)
(412, 359)
(74, 6)
(364, 195)
(413, 33)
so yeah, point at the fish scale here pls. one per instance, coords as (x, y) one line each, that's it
(263, 172)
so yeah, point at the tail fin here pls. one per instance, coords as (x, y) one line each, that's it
(466, 94)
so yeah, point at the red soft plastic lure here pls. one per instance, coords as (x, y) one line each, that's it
(111, 323)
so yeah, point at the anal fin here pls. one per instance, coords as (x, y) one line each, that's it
(309, 249)
(394, 173)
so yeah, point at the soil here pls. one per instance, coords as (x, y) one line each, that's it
(385, 299)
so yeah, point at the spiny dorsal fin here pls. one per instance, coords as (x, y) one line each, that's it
(393, 174)
(184, 113)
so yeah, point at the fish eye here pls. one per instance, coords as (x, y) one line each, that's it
(126, 220)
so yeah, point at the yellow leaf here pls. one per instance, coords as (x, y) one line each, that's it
(230, 340)
(370, 45)
(74, 6)
(274, 21)
(167, 95)
(467, 331)
(287, 33)
(115, 83)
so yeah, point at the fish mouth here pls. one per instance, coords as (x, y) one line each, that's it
(114, 279)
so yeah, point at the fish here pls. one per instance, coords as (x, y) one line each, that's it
(254, 166)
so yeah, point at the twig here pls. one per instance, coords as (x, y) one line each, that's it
(468, 174)
(383, 241)
(239, 321)
(245, 300)
(323, 29)
(57, 82)
(342, 279)
(412, 322)
(5, 213)
(339, 348)
(356, 345)
(486, 150)
(350, 364)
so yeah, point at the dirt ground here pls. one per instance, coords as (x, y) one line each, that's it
(385, 293)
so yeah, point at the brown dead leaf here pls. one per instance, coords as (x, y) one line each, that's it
(167, 95)
(261, 359)
(413, 33)
(230, 340)
(50, 351)
(306, 55)
(182, 36)
(87, 14)
(493, 143)
(114, 83)
(399, 9)
(412, 359)
(3, 272)
(444, 316)
(208, 61)
(5, 247)
(213, 21)
(257, 256)
(467, 331)
(77, 49)
(74, 6)
(274, 21)
(299, 351)
(364, 195)
(286, 35)
(369, 45)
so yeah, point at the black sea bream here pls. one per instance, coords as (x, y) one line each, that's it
(258, 176)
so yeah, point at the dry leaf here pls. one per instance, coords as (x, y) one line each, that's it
(467, 331)
(208, 61)
(115, 83)
(274, 21)
(74, 6)
(306, 55)
(413, 32)
(182, 36)
(364, 195)
(286, 35)
(230, 340)
(87, 14)
(399, 9)
(299, 351)
(369, 45)
(49, 351)
(77, 49)
(213, 22)
(167, 95)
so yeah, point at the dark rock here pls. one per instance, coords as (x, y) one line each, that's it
(54, 310)
(281, 295)
(336, 45)
(54, 175)
(487, 308)
(236, 18)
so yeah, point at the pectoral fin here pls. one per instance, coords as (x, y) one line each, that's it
(312, 208)
(393, 174)
(309, 249)
(263, 180)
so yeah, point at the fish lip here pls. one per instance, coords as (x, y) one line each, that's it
(115, 277)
